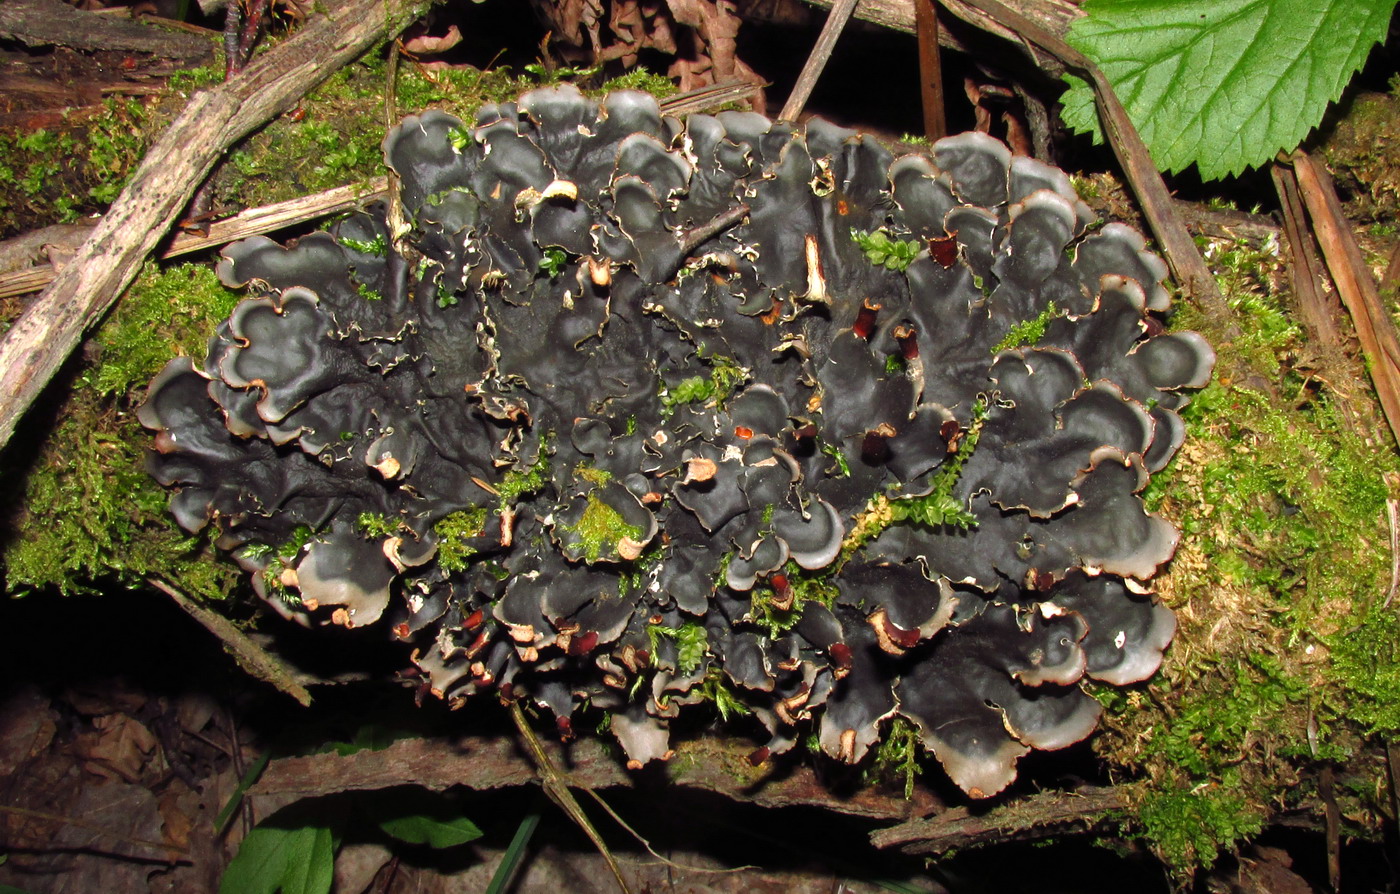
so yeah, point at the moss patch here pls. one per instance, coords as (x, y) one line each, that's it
(1281, 660)
(85, 512)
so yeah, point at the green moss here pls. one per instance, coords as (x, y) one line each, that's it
(601, 528)
(1027, 332)
(454, 533)
(640, 79)
(883, 251)
(85, 513)
(519, 482)
(1191, 827)
(592, 474)
(806, 586)
(716, 688)
(1366, 664)
(165, 312)
(378, 246)
(725, 375)
(56, 175)
(691, 644)
(375, 526)
(1283, 657)
(896, 756)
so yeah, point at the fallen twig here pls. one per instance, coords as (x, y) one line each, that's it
(826, 42)
(556, 785)
(712, 765)
(171, 853)
(1379, 339)
(253, 659)
(1306, 270)
(930, 70)
(213, 120)
(1036, 816)
(252, 222)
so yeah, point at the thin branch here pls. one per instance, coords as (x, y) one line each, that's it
(252, 658)
(42, 339)
(251, 222)
(557, 787)
(607, 808)
(826, 42)
(698, 236)
(930, 70)
(1374, 328)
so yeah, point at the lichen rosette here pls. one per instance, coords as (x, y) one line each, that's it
(638, 412)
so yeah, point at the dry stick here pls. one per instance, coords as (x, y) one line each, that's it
(1187, 266)
(1327, 790)
(930, 70)
(1392, 515)
(213, 120)
(249, 655)
(263, 219)
(607, 808)
(557, 787)
(826, 42)
(1306, 270)
(1376, 331)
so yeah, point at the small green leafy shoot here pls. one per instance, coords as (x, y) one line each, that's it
(691, 643)
(882, 251)
(366, 292)
(725, 375)
(601, 528)
(939, 508)
(372, 525)
(806, 587)
(553, 263)
(519, 482)
(715, 688)
(553, 74)
(454, 533)
(835, 453)
(1027, 332)
(460, 138)
(897, 755)
(378, 246)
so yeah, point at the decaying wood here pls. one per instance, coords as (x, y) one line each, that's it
(55, 23)
(43, 338)
(1034, 817)
(1178, 248)
(252, 222)
(816, 62)
(1316, 305)
(930, 70)
(255, 660)
(1380, 341)
(476, 762)
(703, 99)
(1055, 16)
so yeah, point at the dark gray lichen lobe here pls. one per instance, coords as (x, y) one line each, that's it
(627, 373)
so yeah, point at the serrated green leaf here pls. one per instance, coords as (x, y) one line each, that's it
(1223, 84)
(435, 832)
(292, 861)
